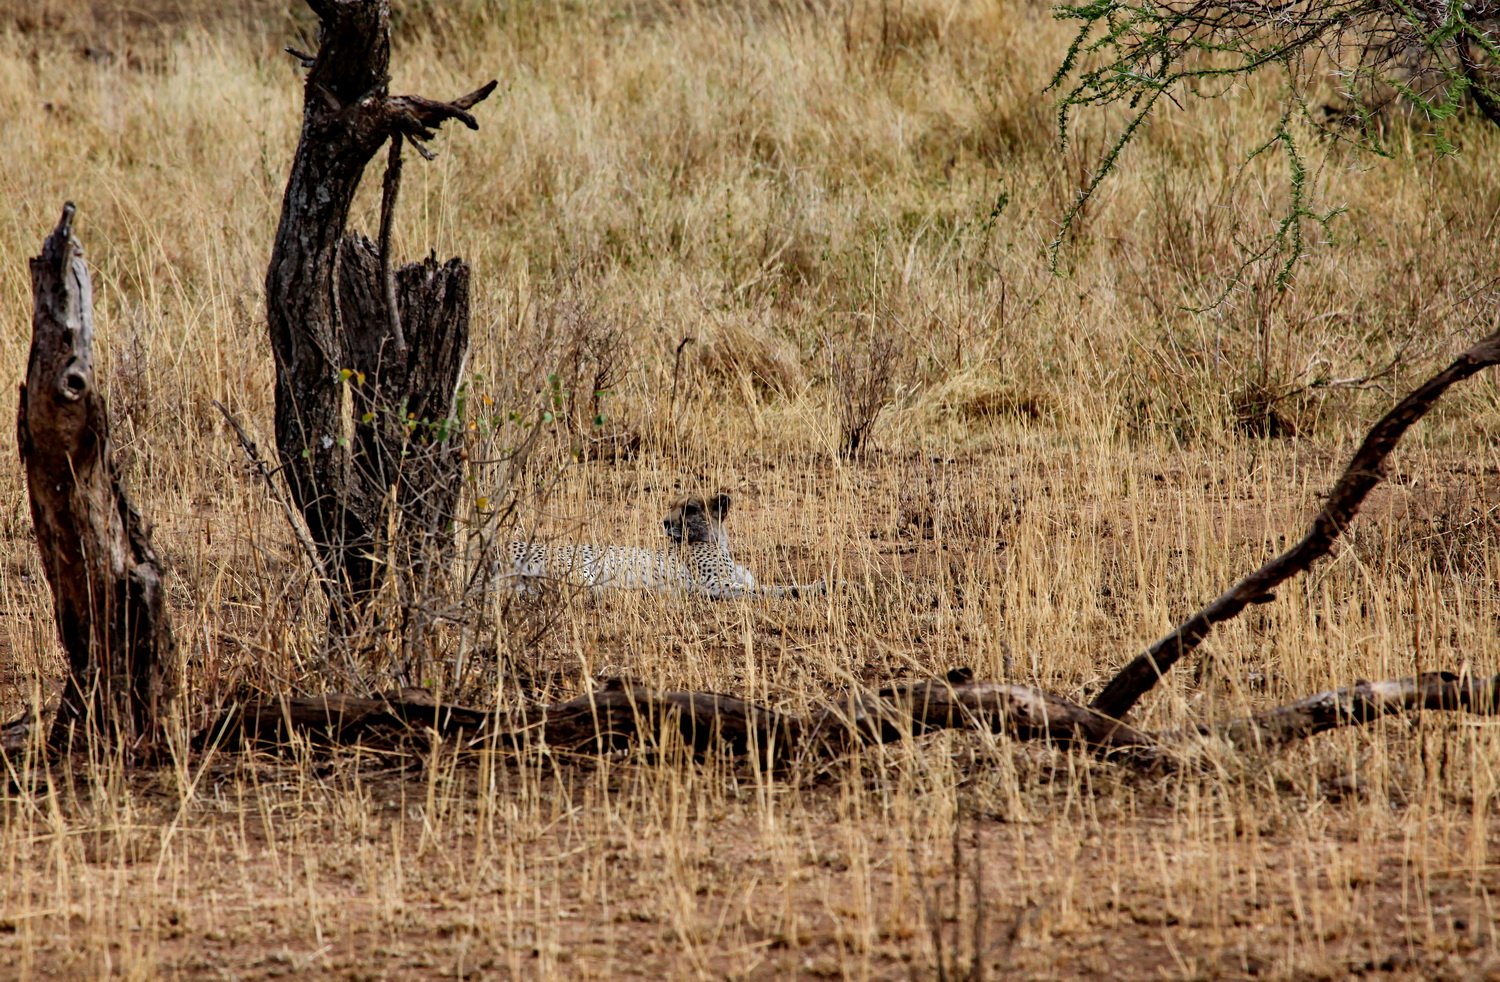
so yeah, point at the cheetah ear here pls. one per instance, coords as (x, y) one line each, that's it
(718, 505)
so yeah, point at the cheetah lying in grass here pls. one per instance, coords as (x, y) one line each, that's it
(698, 564)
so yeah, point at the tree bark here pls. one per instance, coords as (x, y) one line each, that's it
(96, 549)
(405, 431)
(347, 116)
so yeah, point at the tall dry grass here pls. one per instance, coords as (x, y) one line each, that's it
(1069, 461)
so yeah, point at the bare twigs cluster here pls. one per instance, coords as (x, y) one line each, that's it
(587, 356)
(863, 376)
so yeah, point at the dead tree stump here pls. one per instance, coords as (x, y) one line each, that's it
(408, 442)
(96, 549)
(333, 321)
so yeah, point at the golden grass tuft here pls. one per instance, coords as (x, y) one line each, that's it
(749, 358)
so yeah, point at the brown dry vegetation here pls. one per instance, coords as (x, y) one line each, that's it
(1069, 463)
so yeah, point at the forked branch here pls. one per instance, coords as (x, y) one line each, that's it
(419, 118)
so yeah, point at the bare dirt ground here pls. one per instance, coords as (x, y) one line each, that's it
(265, 897)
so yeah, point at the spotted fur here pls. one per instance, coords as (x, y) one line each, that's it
(698, 563)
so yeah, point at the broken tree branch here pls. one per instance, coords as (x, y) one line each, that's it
(1365, 471)
(390, 188)
(1361, 703)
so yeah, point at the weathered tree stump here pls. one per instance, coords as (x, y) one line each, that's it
(334, 321)
(96, 549)
(407, 437)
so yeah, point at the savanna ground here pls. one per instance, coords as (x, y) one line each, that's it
(1070, 462)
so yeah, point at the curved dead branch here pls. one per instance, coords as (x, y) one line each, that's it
(1363, 473)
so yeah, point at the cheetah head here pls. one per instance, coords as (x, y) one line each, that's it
(696, 518)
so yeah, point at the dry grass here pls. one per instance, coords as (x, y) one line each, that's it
(1068, 463)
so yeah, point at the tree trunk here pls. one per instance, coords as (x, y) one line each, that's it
(347, 116)
(408, 434)
(96, 549)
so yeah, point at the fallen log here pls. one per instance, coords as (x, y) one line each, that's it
(337, 718)
(1361, 703)
(622, 714)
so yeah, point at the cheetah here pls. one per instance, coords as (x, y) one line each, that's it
(699, 563)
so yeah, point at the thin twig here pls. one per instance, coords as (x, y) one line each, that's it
(390, 187)
(676, 367)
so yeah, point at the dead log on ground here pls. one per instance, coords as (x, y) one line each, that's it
(348, 320)
(622, 714)
(1361, 703)
(96, 549)
(336, 719)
